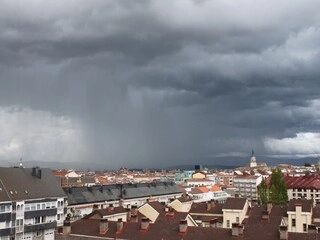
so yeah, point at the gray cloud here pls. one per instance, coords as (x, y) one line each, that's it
(158, 82)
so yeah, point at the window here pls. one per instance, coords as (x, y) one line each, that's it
(293, 222)
(2, 208)
(228, 223)
(304, 227)
(37, 220)
(237, 219)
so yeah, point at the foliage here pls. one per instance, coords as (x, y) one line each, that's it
(263, 192)
(276, 192)
(306, 164)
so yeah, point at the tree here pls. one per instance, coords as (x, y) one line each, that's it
(275, 192)
(263, 192)
(278, 189)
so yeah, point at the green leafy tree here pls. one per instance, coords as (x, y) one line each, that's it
(278, 190)
(275, 192)
(263, 192)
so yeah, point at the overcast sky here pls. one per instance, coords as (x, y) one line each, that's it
(163, 82)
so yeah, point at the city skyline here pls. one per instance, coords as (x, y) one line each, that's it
(158, 82)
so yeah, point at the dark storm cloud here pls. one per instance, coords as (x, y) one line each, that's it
(164, 81)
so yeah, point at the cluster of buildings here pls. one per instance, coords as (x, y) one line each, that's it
(40, 204)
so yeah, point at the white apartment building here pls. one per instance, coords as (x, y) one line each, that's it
(32, 204)
(307, 187)
(246, 186)
(299, 215)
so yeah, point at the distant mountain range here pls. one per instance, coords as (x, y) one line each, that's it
(211, 163)
(234, 162)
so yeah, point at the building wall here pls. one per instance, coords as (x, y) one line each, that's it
(198, 175)
(310, 194)
(233, 215)
(300, 218)
(60, 236)
(247, 186)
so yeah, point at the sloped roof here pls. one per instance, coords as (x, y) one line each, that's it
(83, 195)
(306, 205)
(303, 182)
(168, 228)
(20, 184)
(106, 212)
(202, 208)
(235, 203)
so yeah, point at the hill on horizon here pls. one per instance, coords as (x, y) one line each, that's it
(211, 163)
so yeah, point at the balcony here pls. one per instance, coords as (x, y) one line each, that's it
(39, 213)
(19, 228)
(6, 231)
(39, 227)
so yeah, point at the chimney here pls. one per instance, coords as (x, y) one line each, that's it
(119, 224)
(34, 171)
(283, 230)
(110, 208)
(39, 173)
(144, 224)
(134, 218)
(312, 228)
(95, 207)
(128, 214)
(269, 207)
(213, 222)
(235, 229)
(183, 225)
(134, 210)
(240, 229)
(66, 226)
(170, 214)
(104, 225)
(265, 215)
(121, 202)
(208, 206)
(298, 207)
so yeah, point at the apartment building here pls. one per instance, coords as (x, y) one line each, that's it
(225, 178)
(82, 199)
(299, 215)
(307, 187)
(246, 186)
(32, 204)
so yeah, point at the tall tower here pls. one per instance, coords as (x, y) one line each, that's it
(253, 161)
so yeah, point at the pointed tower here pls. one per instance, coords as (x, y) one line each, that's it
(253, 160)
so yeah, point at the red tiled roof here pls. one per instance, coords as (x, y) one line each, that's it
(107, 212)
(303, 182)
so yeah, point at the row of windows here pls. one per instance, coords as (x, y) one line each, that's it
(5, 208)
(304, 190)
(228, 222)
(39, 206)
(293, 223)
